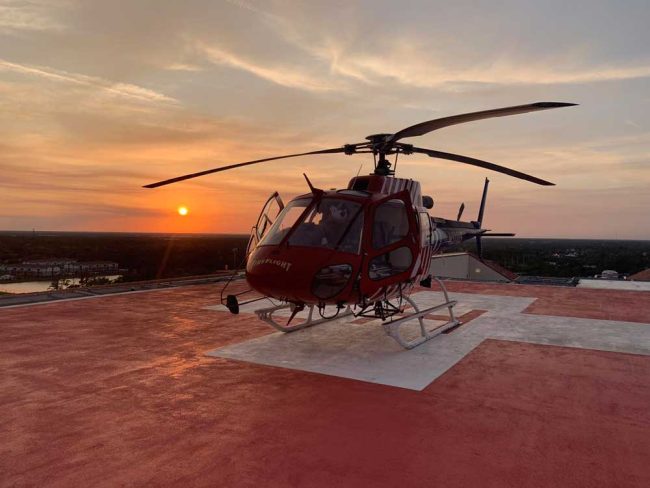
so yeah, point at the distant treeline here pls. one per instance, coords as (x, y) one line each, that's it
(147, 256)
(144, 256)
(566, 257)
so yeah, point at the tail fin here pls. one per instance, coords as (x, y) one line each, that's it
(479, 224)
(483, 200)
(479, 220)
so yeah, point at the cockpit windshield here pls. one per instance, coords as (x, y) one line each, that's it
(286, 219)
(330, 223)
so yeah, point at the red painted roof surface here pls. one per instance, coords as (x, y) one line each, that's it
(501, 270)
(117, 391)
(602, 304)
(641, 276)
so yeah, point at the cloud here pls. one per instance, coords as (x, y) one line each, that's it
(415, 58)
(508, 73)
(126, 90)
(22, 15)
(424, 68)
(288, 76)
(252, 8)
(183, 67)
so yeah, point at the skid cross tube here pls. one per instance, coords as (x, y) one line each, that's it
(266, 314)
(392, 328)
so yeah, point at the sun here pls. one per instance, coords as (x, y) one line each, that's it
(183, 211)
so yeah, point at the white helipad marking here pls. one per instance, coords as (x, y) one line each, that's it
(615, 285)
(364, 352)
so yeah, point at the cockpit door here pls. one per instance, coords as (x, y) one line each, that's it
(392, 248)
(269, 213)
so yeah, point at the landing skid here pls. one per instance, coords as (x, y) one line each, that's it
(394, 328)
(266, 314)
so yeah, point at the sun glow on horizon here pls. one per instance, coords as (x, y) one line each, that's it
(183, 211)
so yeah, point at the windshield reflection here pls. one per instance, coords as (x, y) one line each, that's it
(330, 223)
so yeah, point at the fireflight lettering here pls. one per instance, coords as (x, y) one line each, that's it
(276, 262)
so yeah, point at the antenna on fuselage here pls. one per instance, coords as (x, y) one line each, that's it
(460, 211)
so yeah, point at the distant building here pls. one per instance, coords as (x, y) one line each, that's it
(48, 268)
(467, 266)
(641, 276)
(608, 274)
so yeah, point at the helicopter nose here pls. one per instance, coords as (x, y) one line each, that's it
(302, 274)
(273, 275)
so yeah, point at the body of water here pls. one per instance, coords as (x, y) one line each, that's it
(36, 286)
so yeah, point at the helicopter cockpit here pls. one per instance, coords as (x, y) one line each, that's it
(327, 222)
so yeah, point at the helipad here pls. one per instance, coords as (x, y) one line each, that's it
(541, 386)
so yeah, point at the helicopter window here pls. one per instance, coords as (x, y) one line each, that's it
(389, 264)
(391, 224)
(333, 224)
(285, 221)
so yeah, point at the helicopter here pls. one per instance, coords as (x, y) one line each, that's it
(361, 250)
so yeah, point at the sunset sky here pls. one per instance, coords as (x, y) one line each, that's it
(99, 97)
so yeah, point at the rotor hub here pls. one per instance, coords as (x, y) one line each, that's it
(383, 166)
(378, 138)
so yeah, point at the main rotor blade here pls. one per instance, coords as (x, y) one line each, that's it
(482, 164)
(238, 165)
(431, 125)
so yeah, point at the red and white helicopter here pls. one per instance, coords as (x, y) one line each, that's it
(361, 250)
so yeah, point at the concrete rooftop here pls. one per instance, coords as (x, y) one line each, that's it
(541, 386)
